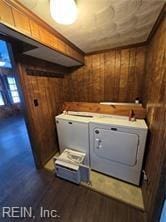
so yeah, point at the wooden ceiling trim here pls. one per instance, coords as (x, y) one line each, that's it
(118, 48)
(15, 16)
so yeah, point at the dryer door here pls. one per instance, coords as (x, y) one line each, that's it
(117, 146)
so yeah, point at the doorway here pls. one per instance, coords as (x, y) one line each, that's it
(14, 139)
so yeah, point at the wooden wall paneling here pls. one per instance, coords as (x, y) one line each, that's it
(112, 72)
(50, 117)
(131, 80)
(78, 86)
(67, 88)
(115, 75)
(48, 91)
(92, 80)
(61, 45)
(161, 188)
(42, 113)
(36, 113)
(155, 102)
(124, 74)
(52, 111)
(109, 69)
(44, 116)
(47, 38)
(140, 71)
(82, 82)
(35, 32)
(21, 22)
(87, 73)
(6, 13)
(39, 118)
(84, 79)
(44, 35)
(58, 98)
(75, 87)
(114, 86)
(98, 67)
(86, 82)
(30, 113)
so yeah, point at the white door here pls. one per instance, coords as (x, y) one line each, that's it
(117, 146)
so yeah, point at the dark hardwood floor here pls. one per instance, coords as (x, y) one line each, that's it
(22, 185)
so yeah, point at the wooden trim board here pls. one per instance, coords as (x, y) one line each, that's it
(123, 110)
(118, 48)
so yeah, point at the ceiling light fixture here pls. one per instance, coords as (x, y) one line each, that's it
(63, 11)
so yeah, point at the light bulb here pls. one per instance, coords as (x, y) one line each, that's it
(63, 11)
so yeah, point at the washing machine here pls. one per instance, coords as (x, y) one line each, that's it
(117, 147)
(73, 133)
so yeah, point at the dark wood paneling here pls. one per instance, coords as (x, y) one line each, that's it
(48, 92)
(116, 75)
(155, 100)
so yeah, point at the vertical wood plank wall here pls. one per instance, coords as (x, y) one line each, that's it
(155, 100)
(116, 75)
(48, 91)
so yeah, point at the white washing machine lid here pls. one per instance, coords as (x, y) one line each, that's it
(69, 117)
(104, 119)
(138, 124)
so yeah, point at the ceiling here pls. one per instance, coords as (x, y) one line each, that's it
(103, 24)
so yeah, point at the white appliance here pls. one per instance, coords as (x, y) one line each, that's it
(73, 133)
(69, 166)
(117, 147)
